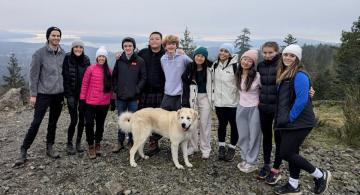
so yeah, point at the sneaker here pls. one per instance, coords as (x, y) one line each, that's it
(287, 189)
(79, 148)
(273, 178)
(117, 147)
(70, 149)
(230, 155)
(205, 156)
(322, 184)
(222, 151)
(51, 152)
(264, 172)
(241, 165)
(248, 168)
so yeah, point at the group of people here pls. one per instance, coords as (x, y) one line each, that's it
(259, 100)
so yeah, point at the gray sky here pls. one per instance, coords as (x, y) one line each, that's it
(212, 20)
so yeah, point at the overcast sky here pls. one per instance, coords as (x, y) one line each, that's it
(207, 19)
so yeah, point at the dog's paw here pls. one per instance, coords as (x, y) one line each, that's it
(146, 157)
(133, 164)
(180, 167)
(189, 165)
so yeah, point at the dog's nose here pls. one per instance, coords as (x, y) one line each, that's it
(183, 125)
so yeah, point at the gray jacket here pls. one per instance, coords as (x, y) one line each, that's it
(45, 71)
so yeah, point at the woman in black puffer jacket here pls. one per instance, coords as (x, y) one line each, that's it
(74, 66)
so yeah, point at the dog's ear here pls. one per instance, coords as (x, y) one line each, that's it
(195, 114)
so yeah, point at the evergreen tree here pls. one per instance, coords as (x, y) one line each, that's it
(289, 39)
(242, 42)
(15, 79)
(187, 43)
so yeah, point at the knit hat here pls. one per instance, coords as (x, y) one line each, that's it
(77, 43)
(201, 50)
(252, 54)
(49, 30)
(101, 52)
(293, 49)
(128, 39)
(229, 47)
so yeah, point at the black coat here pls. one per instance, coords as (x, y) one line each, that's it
(73, 73)
(155, 77)
(267, 70)
(129, 77)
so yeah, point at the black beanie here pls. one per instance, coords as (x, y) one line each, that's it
(128, 39)
(49, 30)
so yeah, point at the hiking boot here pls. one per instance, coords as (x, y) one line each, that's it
(222, 151)
(98, 149)
(92, 152)
(50, 152)
(273, 178)
(79, 148)
(22, 157)
(288, 189)
(117, 147)
(153, 148)
(322, 183)
(70, 149)
(264, 172)
(230, 154)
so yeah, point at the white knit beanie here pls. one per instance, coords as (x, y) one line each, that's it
(293, 49)
(101, 52)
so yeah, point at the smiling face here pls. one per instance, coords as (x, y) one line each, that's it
(78, 50)
(155, 41)
(187, 117)
(170, 47)
(128, 48)
(101, 59)
(199, 59)
(54, 38)
(224, 54)
(246, 63)
(289, 59)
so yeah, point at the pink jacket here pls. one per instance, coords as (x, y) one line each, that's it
(92, 88)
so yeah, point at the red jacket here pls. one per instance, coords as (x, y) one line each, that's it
(92, 88)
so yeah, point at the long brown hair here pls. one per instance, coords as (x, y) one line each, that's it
(284, 72)
(249, 78)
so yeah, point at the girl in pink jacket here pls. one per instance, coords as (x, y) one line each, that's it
(96, 92)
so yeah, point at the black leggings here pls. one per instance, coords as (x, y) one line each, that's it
(97, 113)
(77, 113)
(291, 140)
(227, 115)
(266, 120)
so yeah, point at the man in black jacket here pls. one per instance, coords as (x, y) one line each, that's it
(128, 79)
(74, 66)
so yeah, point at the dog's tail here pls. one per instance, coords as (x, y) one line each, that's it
(125, 121)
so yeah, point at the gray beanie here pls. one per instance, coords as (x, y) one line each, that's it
(77, 43)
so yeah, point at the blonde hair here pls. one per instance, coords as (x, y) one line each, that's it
(171, 39)
(284, 72)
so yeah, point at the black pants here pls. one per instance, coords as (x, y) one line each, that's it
(97, 113)
(266, 120)
(291, 140)
(227, 115)
(43, 101)
(77, 113)
(169, 103)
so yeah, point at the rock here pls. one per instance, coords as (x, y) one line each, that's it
(44, 179)
(32, 167)
(11, 99)
(127, 192)
(7, 188)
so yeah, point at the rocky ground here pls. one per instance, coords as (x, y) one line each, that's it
(112, 174)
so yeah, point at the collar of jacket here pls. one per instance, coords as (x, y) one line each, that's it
(161, 52)
(128, 61)
(49, 49)
(276, 58)
(234, 60)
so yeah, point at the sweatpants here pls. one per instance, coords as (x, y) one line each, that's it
(266, 121)
(291, 140)
(248, 125)
(202, 105)
(95, 113)
(77, 117)
(227, 115)
(43, 101)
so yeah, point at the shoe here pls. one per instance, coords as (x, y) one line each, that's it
(248, 168)
(153, 148)
(79, 148)
(70, 149)
(241, 165)
(288, 189)
(92, 152)
(51, 152)
(205, 156)
(222, 151)
(230, 155)
(264, 172)
(22, 158)
(273, 178)
(98, 149)
(118, 147)
(322, 184)
(130, 143)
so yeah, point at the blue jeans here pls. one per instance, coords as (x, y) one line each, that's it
(123, 106)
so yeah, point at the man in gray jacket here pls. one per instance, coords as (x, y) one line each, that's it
(46, 90)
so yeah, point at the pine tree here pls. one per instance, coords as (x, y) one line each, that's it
(15, 79)
(289, 39)
(242, 42)
(187, 43)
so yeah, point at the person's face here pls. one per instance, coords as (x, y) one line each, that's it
(246, 63)
(224, 54)
(101, 59)
(54, 38)
(155, 41)
(268, 53)
(288, 59)
(170, 47)
(128, 48)
(199, 59)
(78, 50)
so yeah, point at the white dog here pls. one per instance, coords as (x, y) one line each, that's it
(176, 125)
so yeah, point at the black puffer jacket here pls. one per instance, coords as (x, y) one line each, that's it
(267, 70)
(129, 77)
(73, 71)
